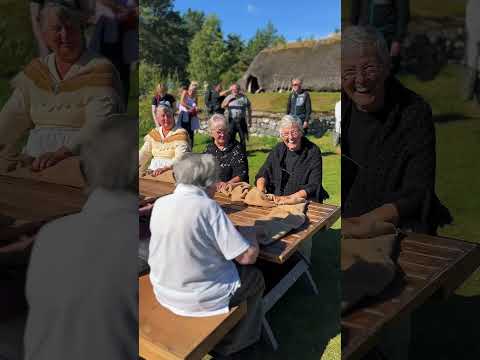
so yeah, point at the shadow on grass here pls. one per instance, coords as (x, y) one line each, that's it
(447, 329)
(304, 323)
(447, 118)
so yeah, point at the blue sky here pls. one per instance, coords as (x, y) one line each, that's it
(292, 18)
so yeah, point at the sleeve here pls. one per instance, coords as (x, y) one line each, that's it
(15, 120)
(266, 171)
(419, 175)
(308, 107)
(403, 18)
(181, 148)
(154, 101)
(289, 101)
(230, 242)
(314, 179)
(207, 99)
(240, 164)
(145, 154)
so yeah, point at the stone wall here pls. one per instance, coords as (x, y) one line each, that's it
(266, 124)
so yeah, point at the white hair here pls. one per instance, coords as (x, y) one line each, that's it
(64, 11)
(200, 170)
(355, 37)
(215, 121)
(288, 121)
(167, 110)
(109, 154)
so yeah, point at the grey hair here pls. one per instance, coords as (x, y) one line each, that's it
(363, 37)
(109, 154)
(64, 11)
(200, 170)
(216, 119)
(289, 121)
(167, 110)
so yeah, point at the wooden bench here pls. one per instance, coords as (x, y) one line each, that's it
(164, 335)
(430, 265)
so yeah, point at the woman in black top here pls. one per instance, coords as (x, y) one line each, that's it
(294, 166)
(161, 97)
(228, 152)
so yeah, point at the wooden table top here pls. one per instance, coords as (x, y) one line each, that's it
(30, 203)
(430, 264)
(164, 335)
(320, 216)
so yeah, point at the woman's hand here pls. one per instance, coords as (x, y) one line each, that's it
(220, 185)
(262, 184)
(159, 171)
(49, 159)
(365, 226)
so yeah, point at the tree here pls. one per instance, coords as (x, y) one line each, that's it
(207, 52)
(235, 47)
(193, 22)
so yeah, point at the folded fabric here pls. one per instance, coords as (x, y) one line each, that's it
(257, 198)
(66, 172)
(167, 176)
(279, 221)
(367, 267)
(236, 191)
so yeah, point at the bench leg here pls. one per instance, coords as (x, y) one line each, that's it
(268, 334)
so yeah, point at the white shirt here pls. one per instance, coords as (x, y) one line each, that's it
(191, 250)
(338, 117)
(82, 283)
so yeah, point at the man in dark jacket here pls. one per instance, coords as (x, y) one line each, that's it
(390, 17)
(299, 103)
(214, 98)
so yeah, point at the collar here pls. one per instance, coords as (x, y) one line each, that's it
(102, 201)
(83, 60)
(183, 189)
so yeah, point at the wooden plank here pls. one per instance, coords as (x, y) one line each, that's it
(319, 216)
(164, 335)
(429, 263)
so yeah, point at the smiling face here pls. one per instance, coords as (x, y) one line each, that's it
(164, 119)
(292, 137)
(220, 135)
(63, 36)
(363, 78)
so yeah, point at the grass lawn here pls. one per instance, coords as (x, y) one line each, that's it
(447, 330)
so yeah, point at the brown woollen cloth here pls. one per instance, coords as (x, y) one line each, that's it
(307, 174)
(399, 163)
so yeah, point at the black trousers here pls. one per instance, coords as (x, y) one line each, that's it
(185, 121)
(239, 126)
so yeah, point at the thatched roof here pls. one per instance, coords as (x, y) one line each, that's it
(317, 63)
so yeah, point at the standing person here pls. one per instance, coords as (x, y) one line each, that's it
(162, 97)
(187, 118)
(35, 7)
(239, 114)
(337, 133)
(214, 98)
(390, 17)
(299, 103)
(472, 14)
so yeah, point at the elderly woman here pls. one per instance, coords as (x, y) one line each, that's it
(294, 166)
(104, 235)
(57, 98)
(229, 154)
(198, 260)
(163, 145)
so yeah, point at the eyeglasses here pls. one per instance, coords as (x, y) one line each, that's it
(285, 134)
(369, 71)
(220, 131)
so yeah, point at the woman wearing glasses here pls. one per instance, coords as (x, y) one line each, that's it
(228, 152)
(294, 166)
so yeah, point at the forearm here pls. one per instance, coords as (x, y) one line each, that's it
(385, 213)
(235, 179)
(261, 184)
(299, 194)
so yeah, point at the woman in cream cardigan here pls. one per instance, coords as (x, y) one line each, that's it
(163, 145)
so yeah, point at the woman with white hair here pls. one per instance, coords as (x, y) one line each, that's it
(56, 98)
(199, 260)
(230, 156)
(82, 280)
(163, 145)
(294, 166)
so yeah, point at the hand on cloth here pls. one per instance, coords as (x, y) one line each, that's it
(365, 227)
(159, 171)
(220, 185)
(49, 159)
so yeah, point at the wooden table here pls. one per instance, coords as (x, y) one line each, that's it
(32, 203)
(319, 216)
(430, 264)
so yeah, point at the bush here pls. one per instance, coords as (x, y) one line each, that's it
(149, 75)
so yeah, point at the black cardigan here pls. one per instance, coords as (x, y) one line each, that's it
(400, 165)
(307, 175)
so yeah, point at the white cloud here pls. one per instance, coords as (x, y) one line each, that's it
(252, 9)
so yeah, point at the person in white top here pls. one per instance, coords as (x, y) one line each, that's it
(82, 286)
(192, 256)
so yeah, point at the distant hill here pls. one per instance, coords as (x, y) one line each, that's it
(316, 62)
